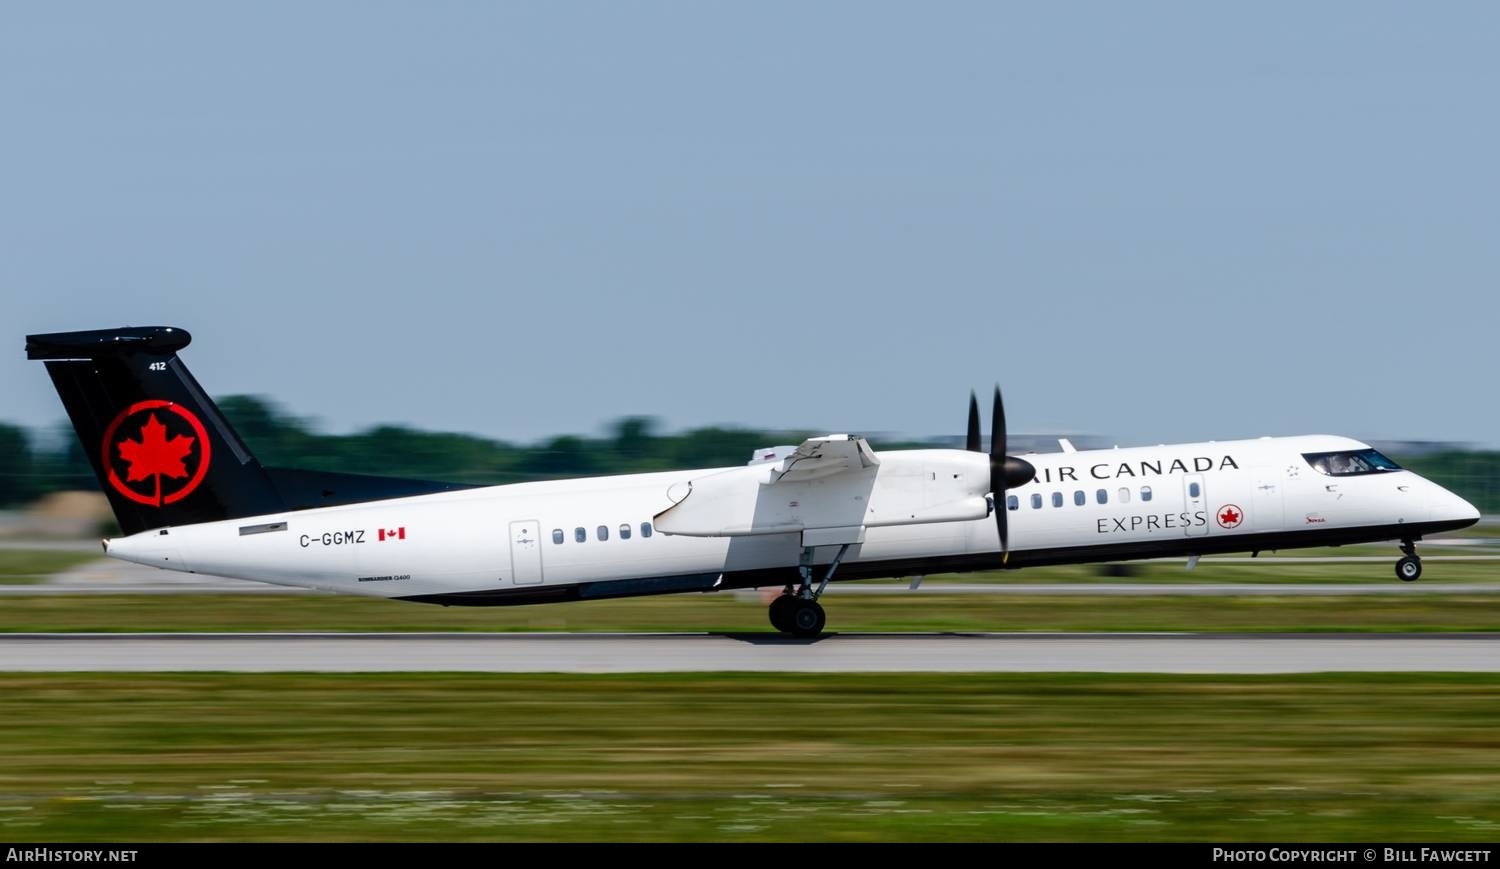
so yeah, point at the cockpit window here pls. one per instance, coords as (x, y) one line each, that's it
(1350, 463)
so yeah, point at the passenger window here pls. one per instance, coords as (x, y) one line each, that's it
(645, 529)
(1145, 493)
(1079, 499)
(557, 536)
(1193, 490)
(1102, 496)
(602, 532)
(1057, 499)
(580, 535)
(1012, 502)
(625, 531)
(1036, 500)
(1124, 495)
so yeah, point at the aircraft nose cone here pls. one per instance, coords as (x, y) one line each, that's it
(1448, 507)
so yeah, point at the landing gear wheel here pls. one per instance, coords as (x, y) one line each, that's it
(781, 613)
(1409, 569)
(807, 618)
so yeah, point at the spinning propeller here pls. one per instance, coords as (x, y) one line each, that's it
(1006, 472)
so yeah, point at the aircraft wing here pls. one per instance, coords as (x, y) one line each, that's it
(823, 483)
(823, 456)
(828, 489)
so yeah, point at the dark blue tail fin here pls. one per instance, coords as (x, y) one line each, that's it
(162, 451)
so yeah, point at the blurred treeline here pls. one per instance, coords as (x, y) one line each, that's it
(31, 467)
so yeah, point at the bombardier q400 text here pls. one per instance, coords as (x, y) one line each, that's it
(189, 496)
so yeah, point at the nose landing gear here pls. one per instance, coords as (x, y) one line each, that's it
(1409, 568)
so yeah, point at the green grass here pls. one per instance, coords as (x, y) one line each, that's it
(924, 611)
(749, 756)
(27, 566)
(1267, 568)
(1482, 529)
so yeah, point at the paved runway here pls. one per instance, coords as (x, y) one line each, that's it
(624, 653)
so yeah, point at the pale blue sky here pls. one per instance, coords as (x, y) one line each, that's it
(1164, 221)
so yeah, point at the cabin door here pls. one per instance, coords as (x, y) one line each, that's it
(1195, 501)
(526, 552)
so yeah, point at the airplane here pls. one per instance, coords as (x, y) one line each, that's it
(190, 496)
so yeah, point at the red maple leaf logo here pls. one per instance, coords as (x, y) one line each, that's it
(1229, 517)
(155, 454)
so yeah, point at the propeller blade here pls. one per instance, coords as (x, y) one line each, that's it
(997, 471)
(972, 442)
(1002, 523)
(1005, 472)
(997, 430)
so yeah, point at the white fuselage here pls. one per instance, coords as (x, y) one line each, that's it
(521, 543)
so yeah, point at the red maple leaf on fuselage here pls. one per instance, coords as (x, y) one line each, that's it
(155, 454)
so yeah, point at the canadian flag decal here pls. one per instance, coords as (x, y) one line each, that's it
(393, 533)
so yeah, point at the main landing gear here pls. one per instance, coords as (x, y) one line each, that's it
(1409, 568)
(797, 611)
(791, 614)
